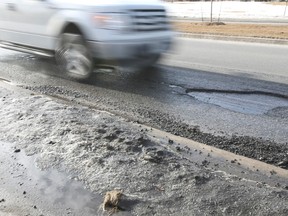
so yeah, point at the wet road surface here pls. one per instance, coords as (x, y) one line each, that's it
(234, 109)
(158, 172)
(50, 190)
(207, 99)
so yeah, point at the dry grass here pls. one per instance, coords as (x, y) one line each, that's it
(231, 29)
(276, 3)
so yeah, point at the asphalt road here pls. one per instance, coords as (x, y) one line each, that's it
(215, 92)
(260, 61)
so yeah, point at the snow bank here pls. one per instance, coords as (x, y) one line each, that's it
(227, 9)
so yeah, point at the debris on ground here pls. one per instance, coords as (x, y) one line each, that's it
(111, 201)
(17, 150)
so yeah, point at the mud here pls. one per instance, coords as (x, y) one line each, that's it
(106, 152)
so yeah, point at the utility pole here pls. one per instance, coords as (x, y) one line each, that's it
(211, 18)
(285, 8)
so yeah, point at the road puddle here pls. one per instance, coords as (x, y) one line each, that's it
(52, 187)
(256, 104)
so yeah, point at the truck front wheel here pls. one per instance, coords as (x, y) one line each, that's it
(74, 57)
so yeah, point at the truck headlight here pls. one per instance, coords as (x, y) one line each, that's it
(112, 21)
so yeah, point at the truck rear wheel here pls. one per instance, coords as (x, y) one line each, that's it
(74, 57)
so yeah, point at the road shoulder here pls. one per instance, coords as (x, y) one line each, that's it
(158, 173)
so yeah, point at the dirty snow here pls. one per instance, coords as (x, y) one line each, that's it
(107, 152)
(227, 9)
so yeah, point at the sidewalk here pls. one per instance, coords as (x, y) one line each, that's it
(234, 38)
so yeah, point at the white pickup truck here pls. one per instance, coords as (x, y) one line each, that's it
(83, 33)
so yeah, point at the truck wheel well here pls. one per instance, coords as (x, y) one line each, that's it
(72, 28)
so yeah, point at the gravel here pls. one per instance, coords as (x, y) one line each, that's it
(256, 148)
(267, 151)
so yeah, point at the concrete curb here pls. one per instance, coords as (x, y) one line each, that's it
(235, 38)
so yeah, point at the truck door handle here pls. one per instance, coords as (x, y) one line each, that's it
(11, 6)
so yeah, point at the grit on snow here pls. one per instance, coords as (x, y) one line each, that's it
(108, 152)
(228, 9)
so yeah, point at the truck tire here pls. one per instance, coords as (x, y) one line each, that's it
(74, 58)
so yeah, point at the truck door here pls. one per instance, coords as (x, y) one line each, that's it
(7, 9)
(28, 22)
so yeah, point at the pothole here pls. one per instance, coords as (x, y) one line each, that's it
(247, 103)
